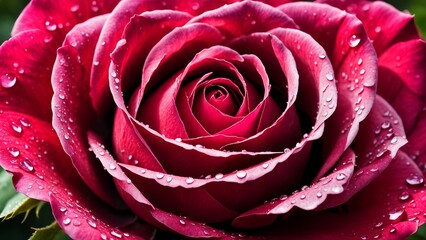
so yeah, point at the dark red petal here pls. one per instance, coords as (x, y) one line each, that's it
(24, 77)
(355, 63)
(385, 25)
(59, 17)
(379, 138)
(402, 79)
(308, 198)
(368, 214)
(130, 147)
(245, 17)
(112, 33)
(72, 115)
(141, 206)
(41, 170)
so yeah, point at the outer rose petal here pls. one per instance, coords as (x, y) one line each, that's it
(59, 16)
(72, 115)
(25, 80)
(370, 214)
(32, 153)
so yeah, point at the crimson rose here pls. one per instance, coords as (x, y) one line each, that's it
(217, 119)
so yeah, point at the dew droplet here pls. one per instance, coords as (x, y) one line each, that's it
(159, 175)
(8, 80)
(66, 221)
(354, 40)
(63, 209)
(396, 215)
(189, 180)
(181, 221)
(341, 176)
(385, 125)
(195, 6)
(14, 151)
(112, 166)
(91, 223)
(16, 128)
(414, 180)
(74, 8)
(360, 61)
(218, 176)
(61, 96)
(241, 174)
(392, 230)
(319, 195)
(116, 234)
(322, 56)
(104, 236)
(26, 165)
(329, 76)
(404, 196)
(50, 25)
(25, 122)
(265, 165)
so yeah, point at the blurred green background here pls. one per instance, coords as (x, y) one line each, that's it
(15, 229)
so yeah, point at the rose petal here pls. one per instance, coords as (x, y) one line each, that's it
(384, 24)
(355, 63)
(72, 115)
(32, 152)
(379, 138)
(369, 214)
(49, 16)
(141, 206)
(24, 79)
(308, 198)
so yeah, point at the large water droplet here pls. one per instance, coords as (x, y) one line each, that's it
(16, 128)
(396, 215)
(25, 122)
(8, 80)
(14, 151)
(354, 40)
(116, 234)
(66, 221)
(241, 174)
(414, 180)
(219, 176)
(26, 165)
(404, 196)
(189, 180)
(341, 176)
(50, 25)
(91, 223)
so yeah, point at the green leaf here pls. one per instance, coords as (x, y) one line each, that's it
(18, 204)
(6, 188)
(46, 233)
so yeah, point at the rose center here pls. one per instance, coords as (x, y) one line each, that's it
(219, 97)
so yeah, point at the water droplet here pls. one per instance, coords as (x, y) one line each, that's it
(322, 56)
(218, 176)
(178, 139)
(414, 180)
(195, 6)
(91, 223)
(74, 8)
(61, 96)
(337, 189)
(404, 196)
(112, 166)
(159, 175)
(319, 195)
(329, 76)
(14, 151)
(66, 221)
(360, 61)
(354, 40)
(25, 122)
(63, 209)
(16, 128)
(8, 80)
(169, 179)
(385, 125)
(104, 236)
(392, 230)
(362, 71)
(396, 215)
(26, 165)
(302, 197)
(265, 165)
(181, 221)
(50, 25)
(241, 174)
(76, 222)
(66, 136)
(341, 176)
(116, 234)
(189, 180)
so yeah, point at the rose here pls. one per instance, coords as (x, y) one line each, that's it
(245, 120)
